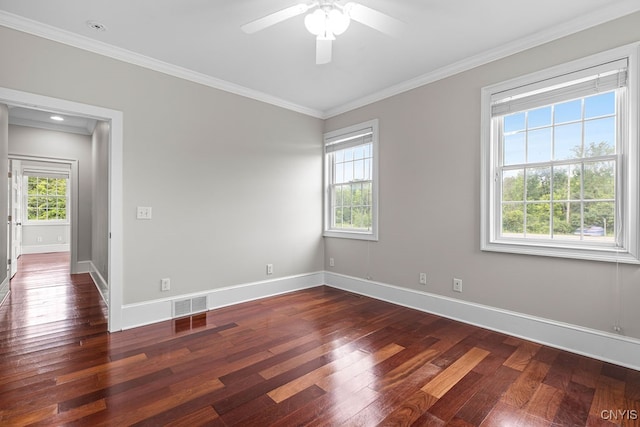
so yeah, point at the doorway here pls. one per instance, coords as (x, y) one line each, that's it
(43, 208)
(114, 213)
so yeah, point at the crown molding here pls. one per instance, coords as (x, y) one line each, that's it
(49, 32)
(598, 17)
(573, 26)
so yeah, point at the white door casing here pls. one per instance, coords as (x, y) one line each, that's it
(15, 209)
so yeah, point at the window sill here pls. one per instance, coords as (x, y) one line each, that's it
(45, 223)
(589, 254)
(351, 235)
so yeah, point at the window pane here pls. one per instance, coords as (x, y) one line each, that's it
(566, 219)
(568, 141)
(538, 183)
(568, 111)
(62, 208)
(513, 185)
(358, 170)
(338, 196)
(566, 182)
(368, 150)
(346, 195)
(348, 154)
(599, 219)
(346, 217)
(367, 169)
(367, 194)
(348, 172)
(514, 122)
(539, 145)
(600, 105)
(600, 137)
(513, 219)
(514, 149)
(32, 184)
(599, 180)
(337, 217)
(539, 117)
(538, 217)
(339, 173)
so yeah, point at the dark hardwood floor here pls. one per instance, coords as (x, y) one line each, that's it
(315, 357)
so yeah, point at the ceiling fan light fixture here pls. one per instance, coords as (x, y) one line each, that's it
(315, 22)
(326, 23)
(337, 21)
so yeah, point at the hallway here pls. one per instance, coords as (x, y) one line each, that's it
(46, 299)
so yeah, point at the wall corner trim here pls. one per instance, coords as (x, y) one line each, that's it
(608, 347)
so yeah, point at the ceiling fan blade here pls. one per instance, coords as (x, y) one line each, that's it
(374, 19)
(276, 17)
(323, 50)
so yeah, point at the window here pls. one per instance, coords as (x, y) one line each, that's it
(46, 197)
(351, 170)
(560, 162)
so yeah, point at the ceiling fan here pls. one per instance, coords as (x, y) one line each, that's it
(327, 19)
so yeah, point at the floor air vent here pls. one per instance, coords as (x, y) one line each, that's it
(185, 307)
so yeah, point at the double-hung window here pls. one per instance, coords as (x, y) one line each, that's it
(351, 170)
(47, 197)
(560, 161)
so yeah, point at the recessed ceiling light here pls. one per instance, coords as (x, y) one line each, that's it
(95, 25)
(57, 118)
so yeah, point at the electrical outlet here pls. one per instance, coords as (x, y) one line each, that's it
(332, 262)
(165, 284)
(143, 212)
(269, 268)
(423, 278)
(457, 285)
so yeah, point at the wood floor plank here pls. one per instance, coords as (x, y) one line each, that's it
(520, 359)
(521, 391)
(442, 383)
(320, 356)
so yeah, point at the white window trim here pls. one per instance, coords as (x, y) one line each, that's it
(352, 234)
(630, 159)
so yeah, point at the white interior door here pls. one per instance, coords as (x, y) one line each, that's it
(15, 206)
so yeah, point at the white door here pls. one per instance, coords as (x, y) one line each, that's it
(15, 207)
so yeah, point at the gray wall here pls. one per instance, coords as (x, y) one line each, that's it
(28, 141)
(234, 183)
(430, 202)
(100, 200)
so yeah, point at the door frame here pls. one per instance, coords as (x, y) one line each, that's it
(115, 119)
(73, 199)
(15, 228)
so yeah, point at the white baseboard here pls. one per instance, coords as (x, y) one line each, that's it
(84, 267)
(3, 285)
(140, 314)
(601, 345)
(98, 280)
(45, 249)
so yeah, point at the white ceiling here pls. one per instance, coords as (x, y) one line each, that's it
(201, 40)
(42, 119)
